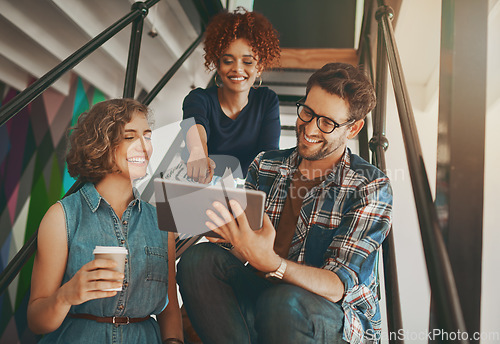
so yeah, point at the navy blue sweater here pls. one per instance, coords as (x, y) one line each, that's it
(257, 128)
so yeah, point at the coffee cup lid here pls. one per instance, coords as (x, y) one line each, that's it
(110, 249)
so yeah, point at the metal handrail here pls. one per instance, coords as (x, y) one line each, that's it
(134, 50)
(439, 269)
(136, 16)
(35, 89)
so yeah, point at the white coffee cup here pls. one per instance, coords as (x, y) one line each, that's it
(116, 253)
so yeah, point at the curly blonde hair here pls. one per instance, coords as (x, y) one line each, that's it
(226, 27)
(97, 134)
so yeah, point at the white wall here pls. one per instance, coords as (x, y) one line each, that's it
(490, 317)
(413, 281)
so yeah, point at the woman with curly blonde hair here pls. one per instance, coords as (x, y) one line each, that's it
(76, 298)
(237, 117)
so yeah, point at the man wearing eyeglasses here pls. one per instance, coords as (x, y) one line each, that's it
(309, 275)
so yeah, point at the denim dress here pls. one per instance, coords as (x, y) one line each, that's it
(90, 222)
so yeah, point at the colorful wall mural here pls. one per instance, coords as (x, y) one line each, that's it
(33, 176)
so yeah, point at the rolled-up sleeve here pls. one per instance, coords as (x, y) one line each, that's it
(364, 225)
(269, 135)
(196, 106)
(251, 181)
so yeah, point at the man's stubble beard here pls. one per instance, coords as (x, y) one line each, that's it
(326, 149)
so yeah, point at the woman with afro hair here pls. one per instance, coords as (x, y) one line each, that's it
(238, 117)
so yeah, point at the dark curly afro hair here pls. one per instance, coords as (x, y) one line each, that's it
(226, 27)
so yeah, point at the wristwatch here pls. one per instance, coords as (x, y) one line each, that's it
(279, 272)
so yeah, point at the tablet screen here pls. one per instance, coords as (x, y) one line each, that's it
(181, 206)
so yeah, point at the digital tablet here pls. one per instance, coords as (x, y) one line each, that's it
(181, 206)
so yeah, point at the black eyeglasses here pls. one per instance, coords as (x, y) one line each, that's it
(325, 124)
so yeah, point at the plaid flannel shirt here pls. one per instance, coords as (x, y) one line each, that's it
(342, 223)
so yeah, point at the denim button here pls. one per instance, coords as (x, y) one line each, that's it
(122, 241)
(125, 222)
(120, 307)
(126, 260)
(125, 284)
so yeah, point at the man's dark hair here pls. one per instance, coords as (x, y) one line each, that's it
(349, 83)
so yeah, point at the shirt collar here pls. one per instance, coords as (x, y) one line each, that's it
(292, 162)
(94, 199)
(91, 196)
(340, 171)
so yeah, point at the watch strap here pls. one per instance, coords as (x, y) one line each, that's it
(279, 272)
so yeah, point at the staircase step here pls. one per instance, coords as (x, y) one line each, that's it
(287, 75)
(289, 100)
(316, 58)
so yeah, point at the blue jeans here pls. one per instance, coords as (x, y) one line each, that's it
(228, 303)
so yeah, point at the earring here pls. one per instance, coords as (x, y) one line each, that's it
(260, 83)
(215, 80)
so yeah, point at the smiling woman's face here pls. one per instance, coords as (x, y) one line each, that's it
(238, 67)
(133, 153)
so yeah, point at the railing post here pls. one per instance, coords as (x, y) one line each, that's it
(366, 61)
(363, 51)
(134, 50)
(379, 142)
(378, 146)
(363, 134)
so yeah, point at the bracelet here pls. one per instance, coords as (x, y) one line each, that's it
(172, 341)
